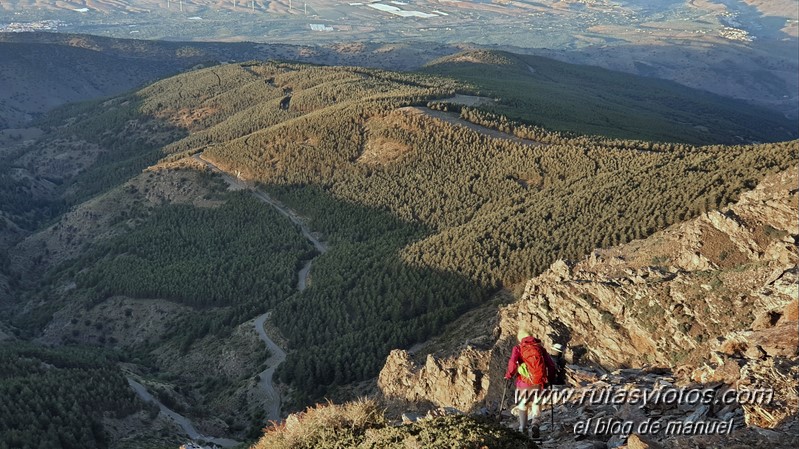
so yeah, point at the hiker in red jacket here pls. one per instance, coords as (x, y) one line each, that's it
(529, 362)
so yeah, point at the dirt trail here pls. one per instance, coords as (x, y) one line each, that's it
(277, 354)
(455, 119)
(238, 184)
(277, 357)
(182, 422)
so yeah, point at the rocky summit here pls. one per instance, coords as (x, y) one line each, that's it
(705, 305)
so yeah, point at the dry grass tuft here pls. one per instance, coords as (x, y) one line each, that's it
(363, 425)
(325, 425)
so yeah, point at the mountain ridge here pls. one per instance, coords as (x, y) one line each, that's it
(416, 240)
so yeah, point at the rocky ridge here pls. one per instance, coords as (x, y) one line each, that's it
(711, 302)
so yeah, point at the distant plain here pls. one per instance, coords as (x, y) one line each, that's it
(747, 49)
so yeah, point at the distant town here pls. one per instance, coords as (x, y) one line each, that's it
(39, 25)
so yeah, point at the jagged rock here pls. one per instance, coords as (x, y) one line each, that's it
(727, 370)
(766, 320)
(755, 352)
(616, 441)
(442, 411)
(780, 375)
(581, 376)
(457, 382)
(591, 444)
(615, 309)
(790, 313)
(698, 414)
(561, 269)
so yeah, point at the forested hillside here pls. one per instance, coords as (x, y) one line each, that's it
(42, 70)
(591, 100)
(483, 210)
(427, 213)
(59, 398)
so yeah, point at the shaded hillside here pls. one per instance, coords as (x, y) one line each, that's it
(60, 398)
(592, 100)
(742, 255)
(39, 77)
(134, 270)
(493, 210)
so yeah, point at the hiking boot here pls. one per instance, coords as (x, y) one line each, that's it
(534, 432)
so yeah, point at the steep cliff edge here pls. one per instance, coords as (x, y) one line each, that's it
(713, 299)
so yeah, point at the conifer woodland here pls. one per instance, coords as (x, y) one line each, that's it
(420, 211)
(425, 218)
(59, 397)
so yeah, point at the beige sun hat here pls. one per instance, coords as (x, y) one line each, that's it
(523, 333)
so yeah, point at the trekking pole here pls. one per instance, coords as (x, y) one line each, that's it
(502, 403)
(552, 407)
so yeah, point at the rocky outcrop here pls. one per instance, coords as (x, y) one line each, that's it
(713, 299)
(458, 382)
(742, 425)
(665, 300)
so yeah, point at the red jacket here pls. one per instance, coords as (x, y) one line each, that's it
(516, 360)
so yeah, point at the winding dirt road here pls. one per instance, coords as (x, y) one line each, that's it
(277, 357)
(277, 354)
(182, 422)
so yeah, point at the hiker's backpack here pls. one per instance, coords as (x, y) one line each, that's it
(533, 356)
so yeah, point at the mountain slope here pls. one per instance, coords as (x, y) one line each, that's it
(39, 77)
(425, 216)
(723, 283)
(592, 100)
(492, 210)
(578, 305)
(44, 70)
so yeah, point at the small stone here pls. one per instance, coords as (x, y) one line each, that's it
(766, 320)
(409, 418)
(616, 441)
(755, 352)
